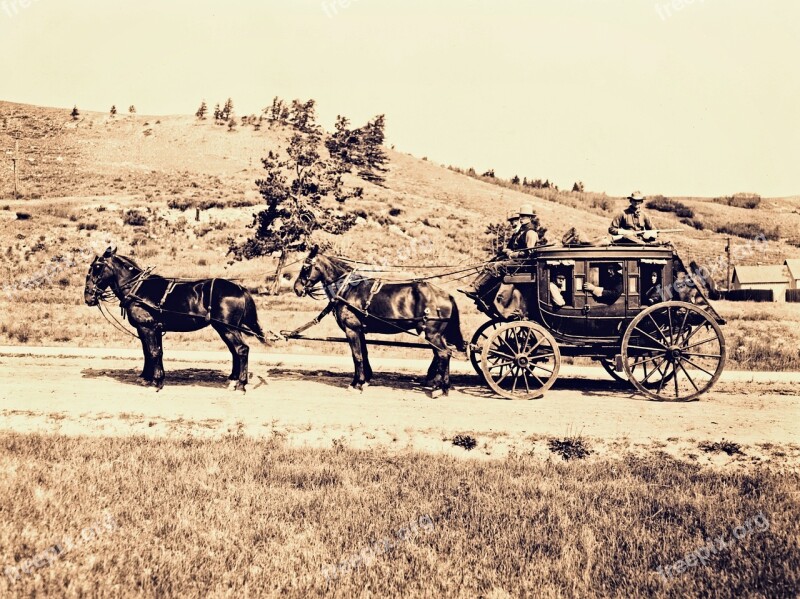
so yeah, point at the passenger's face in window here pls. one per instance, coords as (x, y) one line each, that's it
(561, 281)
(654, 278)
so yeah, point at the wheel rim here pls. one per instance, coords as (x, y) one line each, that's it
(673, 351)
(520, 360)
(475, 347)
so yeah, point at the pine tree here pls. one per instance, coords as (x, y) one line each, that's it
(515, 180)
(75, 114)
(577, 186)
(296, 189)
(360, 148)
(113, 111)
(227, 110)
(132, 109)
(231, 124)
(217, 112)
(201, 112)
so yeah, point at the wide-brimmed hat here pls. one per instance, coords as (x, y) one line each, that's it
(526, 210)
(637, 197)
(512, 215)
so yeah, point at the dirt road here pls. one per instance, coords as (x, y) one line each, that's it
(303, 399)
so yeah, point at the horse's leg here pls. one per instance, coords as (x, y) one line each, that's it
(365, 354)
(354, 339)
(152, 339)
(147, 371)
(441, 363)
(240, 352)
(236, 368)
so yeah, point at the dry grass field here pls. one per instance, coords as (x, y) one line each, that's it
(239, 517)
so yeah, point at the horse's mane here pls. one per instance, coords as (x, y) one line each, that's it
(127, 261)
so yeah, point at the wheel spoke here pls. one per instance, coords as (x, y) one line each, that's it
(698, 367)
(656, 369)
(496, 352)
(683, 324)
(644, 360)
(664, 380)
(686, 372)
(675, 379)
(501, 365)
(540, 367)
(693, 332)
(525, 378)
(669, 318)
(502, 378)
(658, 328)
(503, 340)
(696, 343)
(646, 334)
(658, 349)
(687, 353)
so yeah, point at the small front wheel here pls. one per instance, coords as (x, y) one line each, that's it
(520, 360)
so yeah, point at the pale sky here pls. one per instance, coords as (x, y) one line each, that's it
(677, 97)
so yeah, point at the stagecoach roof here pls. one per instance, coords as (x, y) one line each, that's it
(605, 252)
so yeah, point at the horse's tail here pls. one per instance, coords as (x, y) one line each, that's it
(452, 332)
(250, 322)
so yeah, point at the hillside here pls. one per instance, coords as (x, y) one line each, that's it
(138, 160)
(81, 179)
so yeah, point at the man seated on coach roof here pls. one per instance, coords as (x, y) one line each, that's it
(632, 226)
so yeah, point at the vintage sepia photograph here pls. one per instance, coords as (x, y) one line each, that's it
(359, 298)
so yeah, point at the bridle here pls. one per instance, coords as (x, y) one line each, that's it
(312, 289)
(110, 292)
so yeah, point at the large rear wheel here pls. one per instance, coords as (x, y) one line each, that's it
(520, 360)
(677, 344)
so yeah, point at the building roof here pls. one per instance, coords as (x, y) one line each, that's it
(794, 267)
(759, 274)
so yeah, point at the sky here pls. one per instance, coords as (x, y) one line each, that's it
(680, 97)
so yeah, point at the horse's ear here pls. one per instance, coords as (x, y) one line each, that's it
(314, 251)
(110, 251)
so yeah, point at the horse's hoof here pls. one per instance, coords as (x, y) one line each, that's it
(366, 385)
(232, 385)
(436, 393)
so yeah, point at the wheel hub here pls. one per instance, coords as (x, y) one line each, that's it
(674, 353)
(521, 360)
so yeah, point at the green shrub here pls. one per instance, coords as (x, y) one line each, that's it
(741, 200)
(134, 218)
(749, 231)
(663, 204)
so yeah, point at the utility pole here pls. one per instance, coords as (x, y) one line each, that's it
(14, 161)
(728, 252)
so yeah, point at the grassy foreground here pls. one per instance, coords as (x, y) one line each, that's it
(240, 517)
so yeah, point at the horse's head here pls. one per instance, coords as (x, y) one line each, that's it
(100, 276)
(309, 275)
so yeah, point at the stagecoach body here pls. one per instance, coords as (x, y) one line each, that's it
(646, 338)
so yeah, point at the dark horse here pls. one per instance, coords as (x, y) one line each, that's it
(366, 305)
(156, 305)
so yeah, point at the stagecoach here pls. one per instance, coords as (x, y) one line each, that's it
(668, 349)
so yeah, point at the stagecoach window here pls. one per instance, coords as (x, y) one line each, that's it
(560, 285)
